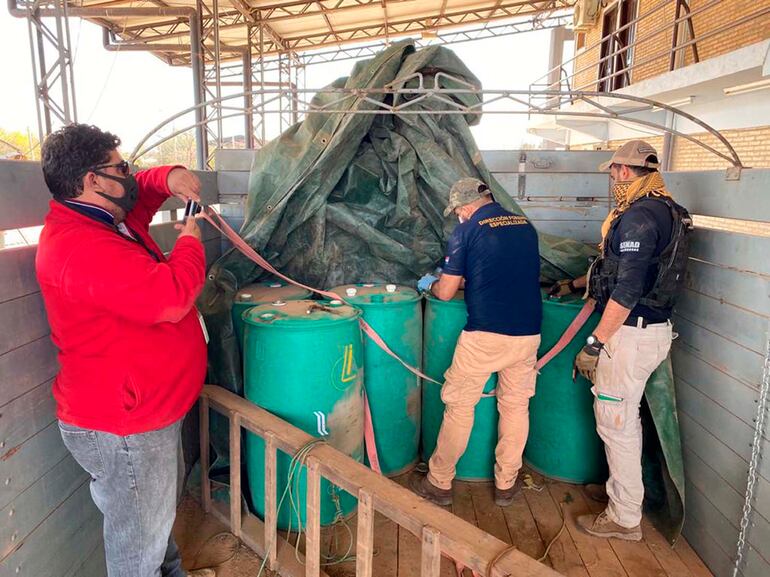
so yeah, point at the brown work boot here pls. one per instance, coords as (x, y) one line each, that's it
(504, 497)
(602, 526)
(208, 572)
(597, 493)
(424, 488)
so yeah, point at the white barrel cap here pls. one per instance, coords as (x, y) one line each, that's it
(368, 284)
(266, 316)
(279, 303)
(391, 288)
(275, 285)
(244, 296)
(335, 302)
(351, 292)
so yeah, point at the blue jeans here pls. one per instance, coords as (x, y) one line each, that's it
(135, 483)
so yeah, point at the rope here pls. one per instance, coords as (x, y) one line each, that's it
(498, 558)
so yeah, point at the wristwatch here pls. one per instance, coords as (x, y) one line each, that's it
(593, 342)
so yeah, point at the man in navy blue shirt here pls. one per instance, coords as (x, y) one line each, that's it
(492, 254)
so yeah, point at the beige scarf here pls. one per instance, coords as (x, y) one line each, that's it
(629, 191)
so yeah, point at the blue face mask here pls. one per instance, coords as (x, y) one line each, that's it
(130, 191)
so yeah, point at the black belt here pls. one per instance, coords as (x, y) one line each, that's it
(634, 322)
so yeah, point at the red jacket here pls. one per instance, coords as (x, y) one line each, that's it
(132, 354)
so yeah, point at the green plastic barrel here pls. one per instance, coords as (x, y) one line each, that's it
(262, 293)
(563, 443)
(444, 321)
(395, 312)
(303, 362)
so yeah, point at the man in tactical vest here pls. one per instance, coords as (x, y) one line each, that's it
(634, 282)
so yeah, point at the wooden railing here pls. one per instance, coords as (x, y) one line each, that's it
(440, 532)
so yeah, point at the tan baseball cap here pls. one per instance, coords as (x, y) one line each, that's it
(465, 191)
(633, 153)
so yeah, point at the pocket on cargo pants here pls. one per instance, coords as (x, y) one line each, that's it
(84, 448)
(610, 409)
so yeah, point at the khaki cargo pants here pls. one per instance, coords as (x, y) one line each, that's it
(625, 364)
(479, 354)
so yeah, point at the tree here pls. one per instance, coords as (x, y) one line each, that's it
(19, 146)
(177, 150)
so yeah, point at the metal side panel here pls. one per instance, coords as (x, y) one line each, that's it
(584, 231)
(26, 197)
(30, 461)
(59, 544)
(232, 182)
(737, 251)
(585, 161)
(722, 353)
(700, 441)
(709, 446)
(25, 416)
(745, 289)
(697, 531)
(730, 393)
(756, 565)
(233, 159)
(36, 503)
(724, 498)
(26, 316)
(165, 234)
(17, 266)
(731, 322)
(26, 367)
(709, 193)
(567, 186)
(24, 194)
(209, 191)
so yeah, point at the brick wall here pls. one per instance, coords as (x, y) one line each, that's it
(752, 146)
(647, 65)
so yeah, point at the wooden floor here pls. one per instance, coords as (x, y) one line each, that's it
(530, 523)
(533, 519)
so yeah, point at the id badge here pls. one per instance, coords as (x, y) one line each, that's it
(203, 326)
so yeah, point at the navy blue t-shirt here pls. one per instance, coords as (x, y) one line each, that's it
(497, 253)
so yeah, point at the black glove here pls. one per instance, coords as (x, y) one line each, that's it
(562, 288)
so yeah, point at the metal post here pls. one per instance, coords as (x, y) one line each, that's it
(217, 109)
(54, 83)
(668, 144)
(201, 143)
(248, 99)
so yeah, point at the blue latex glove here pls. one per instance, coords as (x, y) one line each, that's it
(423, 285)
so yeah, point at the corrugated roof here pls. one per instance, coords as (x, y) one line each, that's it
(299, 25)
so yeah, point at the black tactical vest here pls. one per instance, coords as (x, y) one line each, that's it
(671, 263)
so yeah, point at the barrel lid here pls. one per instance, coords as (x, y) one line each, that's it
(457, 300)
(300, 313)
(376, 293)
(270, 291)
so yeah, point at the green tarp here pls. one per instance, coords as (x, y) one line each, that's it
(354, 197)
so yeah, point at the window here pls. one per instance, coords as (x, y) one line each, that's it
(616, 50)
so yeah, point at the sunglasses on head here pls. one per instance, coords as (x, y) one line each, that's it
(123, 167)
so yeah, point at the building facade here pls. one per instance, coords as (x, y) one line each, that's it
(708, 58)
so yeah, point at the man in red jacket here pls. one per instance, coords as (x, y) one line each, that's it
(132, 350)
